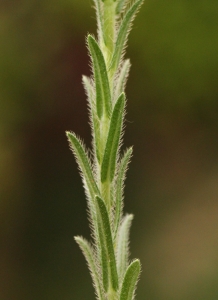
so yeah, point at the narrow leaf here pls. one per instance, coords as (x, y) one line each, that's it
(90, 258)
(99, 18)
(123, 246)
(123, 34)
(119, 189)
(105, 230)
(130, 280)
(104, 257)
(109, 28)
(87, 83)
(122, 78)
(84, 164)
(112, 143)
(95, 126)
(103, 96)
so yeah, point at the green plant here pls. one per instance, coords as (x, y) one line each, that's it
(104, 174)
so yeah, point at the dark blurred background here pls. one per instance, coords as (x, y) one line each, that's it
(172, 121)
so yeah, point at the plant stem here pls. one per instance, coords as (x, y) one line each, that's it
(113, 276)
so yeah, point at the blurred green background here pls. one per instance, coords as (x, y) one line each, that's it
(172, 121)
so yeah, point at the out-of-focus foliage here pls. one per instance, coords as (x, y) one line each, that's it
(171, 121)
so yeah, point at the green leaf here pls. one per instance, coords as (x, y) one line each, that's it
(121, 175)
(83, 163)
(123, 246)
(109, 28)
(103, 95)
(113, 139)
(107, 245)
(92, 264)
(122, 35)
(94, 121)
(104, 258)
(122, 78)
(89, 88)
(120, 5)
(130, 280)
(99, 18)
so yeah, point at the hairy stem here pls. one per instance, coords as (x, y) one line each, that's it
(103, 177)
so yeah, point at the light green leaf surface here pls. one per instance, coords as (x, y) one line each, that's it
(123, 246)
(113, 139)
(104, 256)
(120, 5)
(94, 121)
(83, 163)
(105, 230)
(89, 90)
(130, 280)
(109, 28)
(121, 175)
(122, 78)
(103, 95)
(92, 264)
(122, 35)
(99, 18)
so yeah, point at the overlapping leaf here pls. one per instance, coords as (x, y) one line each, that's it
(94, 120)
(130, 280)
(103, 95)
(119, 189)
(122, 78)
(99, 18)
(83, 163)
(123, 245)
(122, 35)
(108, 256)
(113, 139)
(91, 261)
(120, 6)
